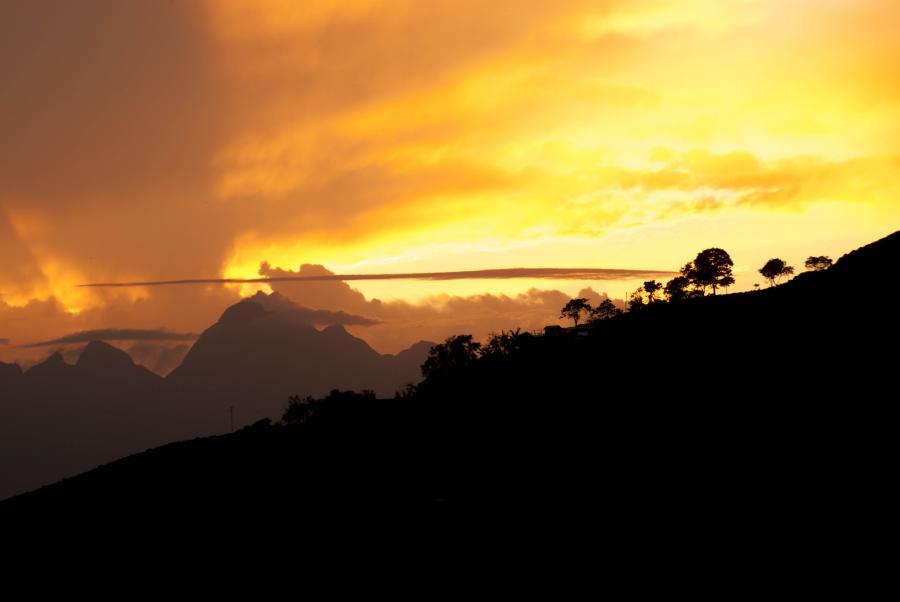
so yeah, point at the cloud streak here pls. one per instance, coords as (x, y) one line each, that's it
(499, 274)
(116, 334)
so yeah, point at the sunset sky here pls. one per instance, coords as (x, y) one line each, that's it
(148, 140)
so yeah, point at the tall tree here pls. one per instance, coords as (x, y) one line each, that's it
(451, 355)
(774, 269)
(651, 287)
(711, 268)
(574, 309)
(505, 344)
(605, 311)
(636, 300)
(678, 288)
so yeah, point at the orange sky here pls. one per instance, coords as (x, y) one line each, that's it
(145, 140)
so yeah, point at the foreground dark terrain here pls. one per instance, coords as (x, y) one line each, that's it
(58, 420)
(753, 407)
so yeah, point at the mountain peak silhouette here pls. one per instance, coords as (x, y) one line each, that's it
(51, 367)
(267, 347)
(98, 355)
(9, 373)
(245, 311)
(262, 305)
(9, 368)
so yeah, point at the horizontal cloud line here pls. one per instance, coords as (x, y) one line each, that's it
(116, 334)
(503, 273)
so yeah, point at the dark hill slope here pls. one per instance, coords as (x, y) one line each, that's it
(764, 410)
(58, 420)
(261, 470)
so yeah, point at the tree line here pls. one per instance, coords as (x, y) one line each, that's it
(708, 272)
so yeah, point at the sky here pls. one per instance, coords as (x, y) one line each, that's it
(153, 140)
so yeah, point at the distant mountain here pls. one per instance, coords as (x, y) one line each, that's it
(746, 416)
(63, 418)
(10, 375)
(58, 419)
(263, 349)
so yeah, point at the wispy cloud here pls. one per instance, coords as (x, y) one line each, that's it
(502, 273)
(116, 334)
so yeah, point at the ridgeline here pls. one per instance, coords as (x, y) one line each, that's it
(767, 404)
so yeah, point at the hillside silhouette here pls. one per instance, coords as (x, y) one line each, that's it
(766, 405)
(57, 419)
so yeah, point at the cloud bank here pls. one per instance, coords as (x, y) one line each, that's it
(435, 318)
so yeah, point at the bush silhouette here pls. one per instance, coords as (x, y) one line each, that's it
(817, 263)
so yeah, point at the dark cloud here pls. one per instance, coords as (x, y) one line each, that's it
(116, 334)
(4, 341)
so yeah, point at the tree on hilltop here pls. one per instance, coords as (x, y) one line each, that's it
(710, 269)
(456, 352)
(817, 263)
(605, 310)
(775, 269)
(574, 309)
(652, 287)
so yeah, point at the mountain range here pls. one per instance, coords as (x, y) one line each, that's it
(763, 413)
(58, 419)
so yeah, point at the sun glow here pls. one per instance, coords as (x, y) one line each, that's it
(432, 135)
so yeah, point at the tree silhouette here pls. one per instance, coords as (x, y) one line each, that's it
(651, 287)
(774, 269)
(711, 268)
(505, 344)
(299, 409)
(818, 263)
(574, 308)
(605, 311)
(636, 300)
(678, 288)
(451, 355)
